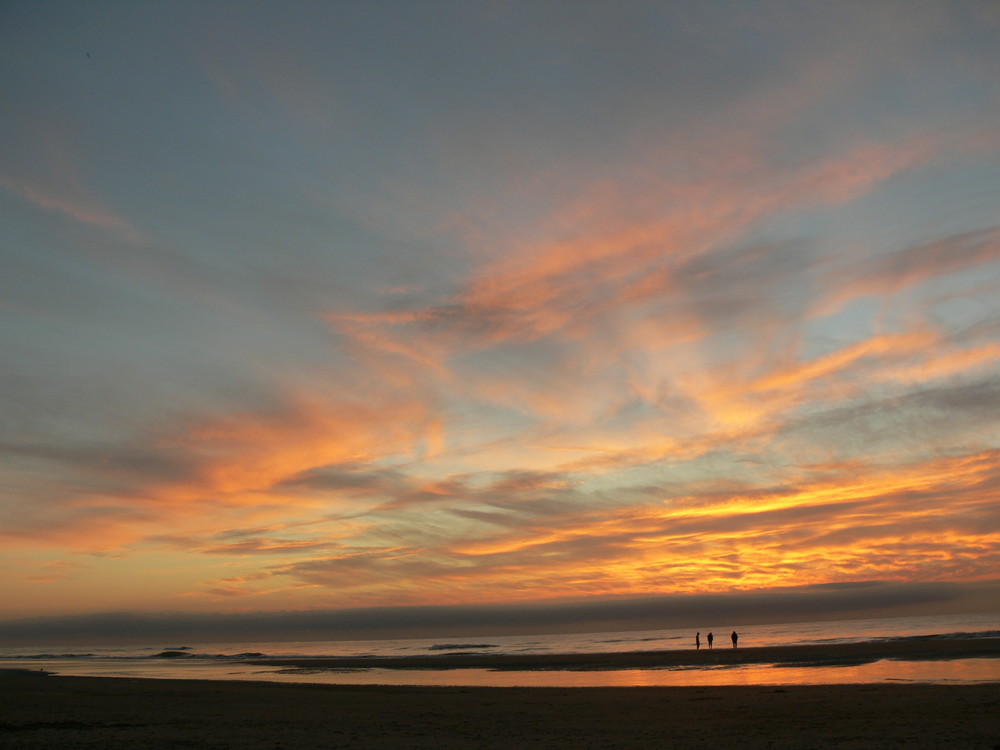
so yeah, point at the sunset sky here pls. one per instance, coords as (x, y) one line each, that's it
(351, 305)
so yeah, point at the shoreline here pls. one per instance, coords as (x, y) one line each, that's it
(48, 712)
(833, 654)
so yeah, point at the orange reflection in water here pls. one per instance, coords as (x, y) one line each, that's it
(945, 671)
(885, 670)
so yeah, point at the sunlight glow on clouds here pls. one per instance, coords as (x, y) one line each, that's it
(361, 305)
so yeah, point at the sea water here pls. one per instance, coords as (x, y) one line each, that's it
(227, 660)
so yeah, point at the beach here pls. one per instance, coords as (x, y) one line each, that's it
(48, 712)
(828, 654)
(84, 712)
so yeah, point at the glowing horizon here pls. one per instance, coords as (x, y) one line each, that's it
(382, 305)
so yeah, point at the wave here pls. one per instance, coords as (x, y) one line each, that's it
(655, 638)
(332, 651)
(184, 655)
(961, 636)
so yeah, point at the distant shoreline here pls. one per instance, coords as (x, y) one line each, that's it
(833, 654)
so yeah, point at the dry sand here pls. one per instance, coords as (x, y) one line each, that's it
(53, 712)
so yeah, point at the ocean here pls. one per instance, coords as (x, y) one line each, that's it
(226, 660)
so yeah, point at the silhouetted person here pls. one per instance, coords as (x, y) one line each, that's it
(697, 640)
(710, 639)
(735, 638)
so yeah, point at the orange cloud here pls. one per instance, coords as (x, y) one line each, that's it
(198, 475)
(893, 272)
(938, 366)
(82, 209)
(58, 185)
(876, 347)
(606, 251)
(837, 529)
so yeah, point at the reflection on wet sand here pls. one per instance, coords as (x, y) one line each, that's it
(814, 655)
(963, 670)
(884, 670)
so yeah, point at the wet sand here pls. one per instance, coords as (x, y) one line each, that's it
(837, 654)
(50, 712)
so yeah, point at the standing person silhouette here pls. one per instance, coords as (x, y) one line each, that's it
(735, 638)
(710, 639)
(697, 640)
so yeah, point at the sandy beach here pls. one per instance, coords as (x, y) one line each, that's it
(88, 712)
(39, 711)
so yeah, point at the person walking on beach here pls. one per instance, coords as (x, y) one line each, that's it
(697, 640)
(710, 639)
(735, 638)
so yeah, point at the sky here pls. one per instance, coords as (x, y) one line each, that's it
(393, 307)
